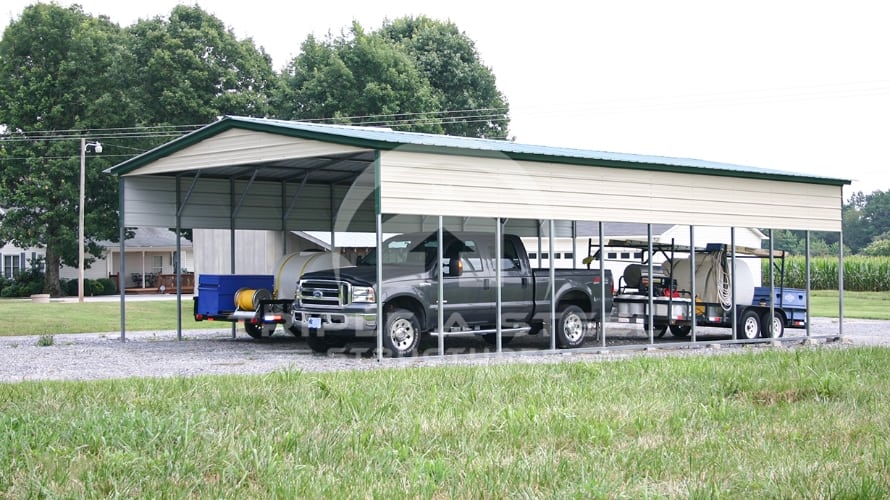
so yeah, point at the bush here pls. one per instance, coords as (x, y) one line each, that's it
(10, 290)
(108, 286)
(69, 287)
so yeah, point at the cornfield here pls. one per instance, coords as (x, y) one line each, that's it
(861, 274)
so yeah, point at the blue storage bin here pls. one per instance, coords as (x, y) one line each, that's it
(216, 292)
(788, 298)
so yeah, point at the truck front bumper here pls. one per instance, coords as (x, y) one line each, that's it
(351, 323)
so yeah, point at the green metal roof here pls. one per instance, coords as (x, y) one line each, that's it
(385, 139)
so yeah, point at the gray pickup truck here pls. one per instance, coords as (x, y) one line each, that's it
(335, 306)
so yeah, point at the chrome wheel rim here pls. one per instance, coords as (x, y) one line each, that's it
(573, 328)
(402, 334)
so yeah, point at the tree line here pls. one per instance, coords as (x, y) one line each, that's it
(65, 74)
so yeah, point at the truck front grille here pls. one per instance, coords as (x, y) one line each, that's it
(323, 293)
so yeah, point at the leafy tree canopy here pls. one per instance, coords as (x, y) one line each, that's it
(465, 88)
(413, 74)
(57, 69)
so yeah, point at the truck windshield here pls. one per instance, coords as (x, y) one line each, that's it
(404, 250)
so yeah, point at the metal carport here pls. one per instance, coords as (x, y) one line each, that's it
(248, 173)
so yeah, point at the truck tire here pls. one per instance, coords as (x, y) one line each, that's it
(401, 334)
(572, 327)
(778, 325)
(749, 325)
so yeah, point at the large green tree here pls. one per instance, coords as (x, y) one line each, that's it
(866, 217)
(191, 69)
(57, 75)
(413, 74)
(466, 89)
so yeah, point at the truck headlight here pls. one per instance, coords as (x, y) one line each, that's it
(364, 294)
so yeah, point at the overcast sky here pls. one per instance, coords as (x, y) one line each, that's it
(801, 86)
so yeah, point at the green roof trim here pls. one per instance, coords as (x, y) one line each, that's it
(385, 139)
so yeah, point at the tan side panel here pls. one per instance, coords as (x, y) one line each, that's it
(240, 147)
(422, 183)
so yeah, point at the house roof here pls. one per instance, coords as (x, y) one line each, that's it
(386, 139)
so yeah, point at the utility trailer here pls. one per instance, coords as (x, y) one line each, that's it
(241, 298)
(671, 291)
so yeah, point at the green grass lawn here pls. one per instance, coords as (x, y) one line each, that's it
(862, 305)
(90, 317)
(807, 423)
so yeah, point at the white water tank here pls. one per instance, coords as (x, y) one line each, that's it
(707, 278)
(293, 266)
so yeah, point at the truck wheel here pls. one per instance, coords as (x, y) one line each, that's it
(572, 327)
(401, 335)
(680, 330)
(749, 325)
(255, 330)
(778, 325)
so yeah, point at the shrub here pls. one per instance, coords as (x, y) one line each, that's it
(108, 286)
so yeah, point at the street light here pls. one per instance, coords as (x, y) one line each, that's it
(97, 148)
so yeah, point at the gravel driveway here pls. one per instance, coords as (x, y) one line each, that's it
(209, 352)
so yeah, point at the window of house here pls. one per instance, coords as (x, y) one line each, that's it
(533, 255)
(12, 264)
(157, 264)
(612, 255)
(569, 255)
(638, 255)
(625, 255)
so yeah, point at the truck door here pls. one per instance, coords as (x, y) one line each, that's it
(466, 279)
(517, 292)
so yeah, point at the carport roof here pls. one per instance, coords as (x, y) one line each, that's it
(385, 139)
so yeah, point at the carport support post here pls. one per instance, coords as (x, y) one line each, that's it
(380, 284)
(499, 280)
(651, 315)
(440, 313)
(768, 328)
(121, 281)
(735, 319)
(178, 260)
(602, 281)
(808, 283)
(840, 285)
(232, 235)
(692, 278)
(552, 292)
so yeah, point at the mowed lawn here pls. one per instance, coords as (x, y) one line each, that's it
(761, 423)
(57, 317)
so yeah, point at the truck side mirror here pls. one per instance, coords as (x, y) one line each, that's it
(455, 267)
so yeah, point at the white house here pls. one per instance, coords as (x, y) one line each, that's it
(150, 254)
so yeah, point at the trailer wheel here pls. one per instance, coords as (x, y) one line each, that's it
(749, 325)
(658, 331)
(778, 325)
(401, 334)
(253, 329)
(680, 330)
(572, 327)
